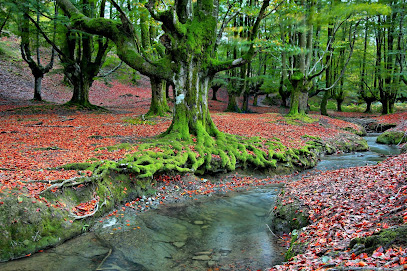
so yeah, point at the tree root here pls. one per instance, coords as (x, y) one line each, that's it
(67, 183)
(77, 217)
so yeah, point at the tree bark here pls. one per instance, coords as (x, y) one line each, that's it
(37, 88)
(215, 90)
(191, 113)
(158, 105)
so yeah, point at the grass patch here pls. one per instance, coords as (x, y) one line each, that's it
(139, 121)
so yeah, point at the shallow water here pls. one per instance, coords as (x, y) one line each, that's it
(227, 231)
(377, 153)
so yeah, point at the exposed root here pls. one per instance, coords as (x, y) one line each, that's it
(68, 182)
(77, 217)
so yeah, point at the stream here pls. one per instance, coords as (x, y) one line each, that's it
(225, 231)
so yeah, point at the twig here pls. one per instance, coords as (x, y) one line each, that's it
(104, 259)
(278, 237)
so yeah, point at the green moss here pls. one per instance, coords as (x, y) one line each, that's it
(77, 166)
(139, 121)
(122, 146)
(385, 238)
(392, 137)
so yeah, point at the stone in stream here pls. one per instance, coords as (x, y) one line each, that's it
(178, 244)
(209, 252)
(198, 222)
(201, 258)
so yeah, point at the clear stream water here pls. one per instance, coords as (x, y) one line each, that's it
(227, 231)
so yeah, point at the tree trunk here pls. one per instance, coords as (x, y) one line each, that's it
(303, 103)
(295, 97)
(214, 92)
(339, 105)
(245, 105)
(255, 100)
(81, 86)
(191, 113)
(368, 106)
(158, 105)
(232, 102)
(324, 103)
(37, 88)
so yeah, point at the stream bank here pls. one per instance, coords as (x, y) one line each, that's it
(346, 217)
(33, 224)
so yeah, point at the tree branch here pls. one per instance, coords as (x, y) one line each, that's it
(351, 45)
(111, 71)
(246, 58)
(168, 17)
(127, 49)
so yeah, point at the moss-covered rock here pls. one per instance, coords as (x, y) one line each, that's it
(385, 238)
(27, 225)
(392, 137)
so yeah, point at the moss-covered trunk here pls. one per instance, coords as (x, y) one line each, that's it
(81, 84)
(232, 102)
(324, 103)
(295, 97)
(158, 105)
(191, 114)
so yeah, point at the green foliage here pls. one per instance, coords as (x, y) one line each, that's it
(392, 137)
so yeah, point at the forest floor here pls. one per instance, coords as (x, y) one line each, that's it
(38, 137)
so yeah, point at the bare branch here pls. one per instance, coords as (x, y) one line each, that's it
(111, 71)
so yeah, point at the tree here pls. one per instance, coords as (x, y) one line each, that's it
(4, 15)
(190, 36)
(37, 69)
(81, 64)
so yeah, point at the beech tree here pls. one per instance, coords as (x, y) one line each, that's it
(37, 69)
(190, 37)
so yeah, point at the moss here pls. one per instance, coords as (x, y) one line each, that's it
(122, 146)
(139, 121)
(385, 238)
(77, 166)
(299, 119)
(392, 137)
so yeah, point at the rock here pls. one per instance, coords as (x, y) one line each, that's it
(216, 257)
(224, 251)
(201, 258)
(178, 244)
(211, 263)
(204, 253)
(198, 222)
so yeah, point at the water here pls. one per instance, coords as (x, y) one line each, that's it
(226, 231)
(377, 153)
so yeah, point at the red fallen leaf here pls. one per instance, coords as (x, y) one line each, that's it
(361, 264)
